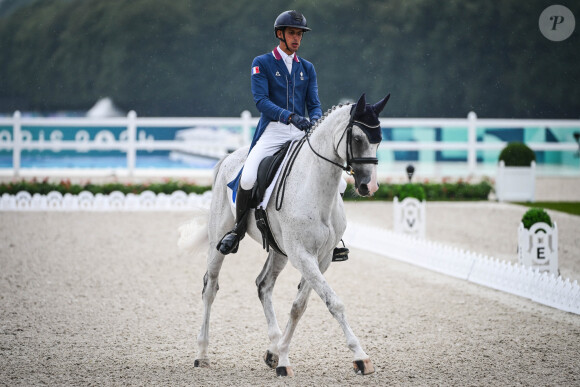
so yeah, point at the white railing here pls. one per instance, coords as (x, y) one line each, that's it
(544, 288)
(129, 142)
(472, 145)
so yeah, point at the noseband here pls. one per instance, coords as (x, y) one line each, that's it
(350, 160)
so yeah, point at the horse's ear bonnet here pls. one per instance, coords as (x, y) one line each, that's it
(367, 118)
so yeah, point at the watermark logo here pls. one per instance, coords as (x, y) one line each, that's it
(557, 23)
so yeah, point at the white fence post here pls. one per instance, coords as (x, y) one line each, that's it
(131, 138)
(471, 142)
(246, 124)
(16, 142)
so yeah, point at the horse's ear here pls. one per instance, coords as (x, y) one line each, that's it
(361, 104)
(378, 107)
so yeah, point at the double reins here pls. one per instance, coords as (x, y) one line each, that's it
(349, 159)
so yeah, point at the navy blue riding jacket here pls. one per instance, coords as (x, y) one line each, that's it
(278, 94)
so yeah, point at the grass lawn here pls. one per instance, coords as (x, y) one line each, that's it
(568, 207)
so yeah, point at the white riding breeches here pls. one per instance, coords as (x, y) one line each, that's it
(274, 136)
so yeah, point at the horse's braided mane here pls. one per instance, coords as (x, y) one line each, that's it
(328, 112)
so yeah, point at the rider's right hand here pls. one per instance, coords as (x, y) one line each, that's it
(300, 122)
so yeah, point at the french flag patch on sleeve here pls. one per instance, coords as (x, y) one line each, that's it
(255, 70)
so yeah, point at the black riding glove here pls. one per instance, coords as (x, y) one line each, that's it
(300, 122)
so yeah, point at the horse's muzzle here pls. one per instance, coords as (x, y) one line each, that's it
(363, 190)
(367, 187)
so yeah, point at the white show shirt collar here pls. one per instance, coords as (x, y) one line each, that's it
(286, 58)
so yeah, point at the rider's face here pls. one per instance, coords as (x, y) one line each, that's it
(293, 38)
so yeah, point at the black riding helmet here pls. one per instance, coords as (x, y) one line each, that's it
(292, 19)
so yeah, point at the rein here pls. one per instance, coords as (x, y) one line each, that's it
(349, 159)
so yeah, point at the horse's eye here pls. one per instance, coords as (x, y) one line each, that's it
(357, 139)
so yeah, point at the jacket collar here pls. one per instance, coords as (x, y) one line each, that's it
(278, 56)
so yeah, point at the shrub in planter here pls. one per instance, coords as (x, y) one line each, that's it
(516, 174)
(538, 241)
(411, 191)
(536, 215)
(517, 154)
(409, 211)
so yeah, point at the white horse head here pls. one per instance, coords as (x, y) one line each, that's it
(356, 135)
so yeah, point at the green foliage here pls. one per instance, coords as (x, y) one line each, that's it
(572, 208)
(517, 154)
(185, 57)
(431, 191)
(65, 186)
(535, 215)
(411, 191)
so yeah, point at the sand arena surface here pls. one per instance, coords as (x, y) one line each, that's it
(106, 298)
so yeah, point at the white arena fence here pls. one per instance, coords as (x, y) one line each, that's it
(130, 141)
(516, 279)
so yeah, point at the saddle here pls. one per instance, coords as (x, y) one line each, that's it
(266, 173)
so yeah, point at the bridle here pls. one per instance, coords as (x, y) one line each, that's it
(350, 160)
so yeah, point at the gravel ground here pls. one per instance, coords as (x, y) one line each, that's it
(107, 299)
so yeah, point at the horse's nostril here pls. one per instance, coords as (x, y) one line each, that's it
(363, 190)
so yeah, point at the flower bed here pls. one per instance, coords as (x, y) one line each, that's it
(43, 187)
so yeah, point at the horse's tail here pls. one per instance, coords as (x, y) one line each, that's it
(193, 235)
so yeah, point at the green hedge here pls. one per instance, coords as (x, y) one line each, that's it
(536, 215)
(65, 186)
(387, 191)
(433, 191)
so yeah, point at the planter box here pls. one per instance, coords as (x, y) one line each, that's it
(410, 216)
(538, 247)
(516, 183)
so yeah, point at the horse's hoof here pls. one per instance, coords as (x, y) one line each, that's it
(363, 367)
(203, 363)
(271, 359)
(284, 371)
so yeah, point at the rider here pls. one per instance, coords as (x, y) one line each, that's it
(284, 86)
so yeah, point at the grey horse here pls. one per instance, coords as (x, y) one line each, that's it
(307, 226)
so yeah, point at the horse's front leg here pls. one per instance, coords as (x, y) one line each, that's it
(313, 275)
(265, 283)
(210, 288)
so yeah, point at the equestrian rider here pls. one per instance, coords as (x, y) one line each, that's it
(284, 87)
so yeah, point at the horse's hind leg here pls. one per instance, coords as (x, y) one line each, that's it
(265, 283)
(210, 288)
(298, 309)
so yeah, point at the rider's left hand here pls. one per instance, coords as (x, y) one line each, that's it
(300, 122)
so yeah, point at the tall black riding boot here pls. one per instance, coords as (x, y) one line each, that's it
(231, 241)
